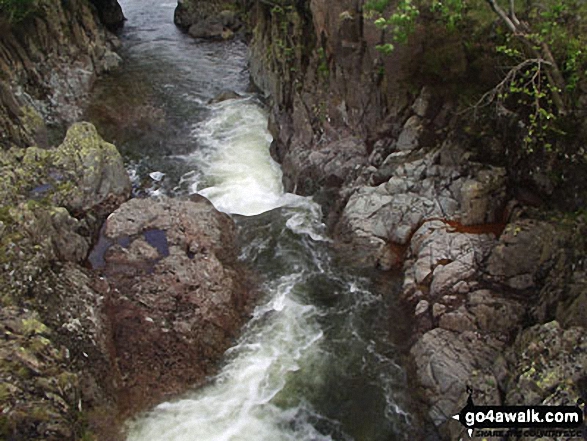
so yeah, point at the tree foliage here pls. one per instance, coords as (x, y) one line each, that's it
(543, 47)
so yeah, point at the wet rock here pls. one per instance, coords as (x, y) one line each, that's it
(180, 295)
(225, 95)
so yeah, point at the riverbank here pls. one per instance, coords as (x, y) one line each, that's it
(105, 307)
(489, 246)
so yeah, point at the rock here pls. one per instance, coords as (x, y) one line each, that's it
(54, 201)
(410, 135)
(48, 66)
(524, 248)
(419, 190)
(180, 295)
(95, 169)
(225, 95)
(563, 297)
(494, 313)
(548, 365)
(110, 61)
(229, 19)
(421, 308)
(459, 320)
(480, 197)
(110, 13)
(422, 103)
(209, 19)
(443, 258)
(209, 29)
(446, 362)
(37, 382)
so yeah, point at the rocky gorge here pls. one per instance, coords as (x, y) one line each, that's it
(494, 273)
(109, 305)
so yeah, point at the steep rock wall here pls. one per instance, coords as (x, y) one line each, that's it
(48, 63)
(409, 182)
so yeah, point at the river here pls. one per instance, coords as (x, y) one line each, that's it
(322, 356)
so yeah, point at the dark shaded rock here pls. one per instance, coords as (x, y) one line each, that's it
(208, 19)
(110, 13)
(526, 247)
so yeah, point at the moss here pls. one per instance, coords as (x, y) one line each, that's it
(4, 393)
(32, 326)
(32, 121)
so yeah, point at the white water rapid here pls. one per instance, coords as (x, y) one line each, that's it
(320, 357)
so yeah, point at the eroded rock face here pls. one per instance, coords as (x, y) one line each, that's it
(48, 64)
(55, 345)
(178, 295)
(479, 264)
(422, 186)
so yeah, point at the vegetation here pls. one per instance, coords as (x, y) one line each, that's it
(14, 11)
(541, 43)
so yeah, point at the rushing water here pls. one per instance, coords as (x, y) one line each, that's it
(319, 358)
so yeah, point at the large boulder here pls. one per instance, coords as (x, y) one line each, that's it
(110, 13)
(208, 19)
(178, 298)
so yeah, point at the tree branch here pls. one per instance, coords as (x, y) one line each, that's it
(504, 17)
(513, 13)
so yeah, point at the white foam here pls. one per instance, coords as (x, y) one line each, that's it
(242, 178)
(237, 406)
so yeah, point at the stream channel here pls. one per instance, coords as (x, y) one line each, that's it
(323, 356)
